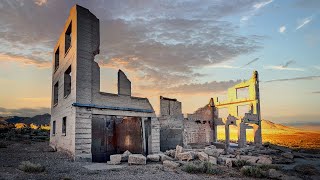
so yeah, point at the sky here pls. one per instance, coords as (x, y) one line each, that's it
(185, 49)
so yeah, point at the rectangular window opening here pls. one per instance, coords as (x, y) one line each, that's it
(56, 59)
(68, 36)
(243, 93)
(67, 82)
(55, 94)
(53, 127)
(64, 126)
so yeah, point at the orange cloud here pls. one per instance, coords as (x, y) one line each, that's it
(24, 60)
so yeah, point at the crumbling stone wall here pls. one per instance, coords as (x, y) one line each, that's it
(171, 123)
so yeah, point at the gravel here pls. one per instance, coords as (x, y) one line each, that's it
(58, 165)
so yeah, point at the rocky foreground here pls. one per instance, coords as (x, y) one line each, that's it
(36, 160)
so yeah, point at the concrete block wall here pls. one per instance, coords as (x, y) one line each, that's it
(64, 108)
(124, 85)
(155, 135)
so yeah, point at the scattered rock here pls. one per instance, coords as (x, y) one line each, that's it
(214, 152)
(274, 174)
(164, 157)
(170, 164)
(153, 157)
(306, 169)
(138, 159)
(186, 156)
(229, 162)
(203, 156)
(125, 156)
(212, 160)
(251, 159)
(171, 153)
(264, 160)
(115, 159)
(288, 155)
(179, 150)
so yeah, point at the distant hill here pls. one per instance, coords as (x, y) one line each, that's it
(38, 119)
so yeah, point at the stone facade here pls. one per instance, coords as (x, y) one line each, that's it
(73, 112)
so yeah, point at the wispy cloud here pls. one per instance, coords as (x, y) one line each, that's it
(295, 79)
(256, 7)
(250, 62)
(262, 4)
(288, 63)
(282, 29)
(285, 66)
(304, 22)
(317, 67)
(316, 92)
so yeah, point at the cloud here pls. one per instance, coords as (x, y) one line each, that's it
(262, 4)
(304, 22)
(285, 66)
(250, 62)
(158, 42)
(25, 60)
(199, 88)
(316, 92)
(295, 79)
(40, 2)
(317, 67)
(282, 29)
(256, 7)
(25, 112)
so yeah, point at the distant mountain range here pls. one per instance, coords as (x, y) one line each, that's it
(38, 119)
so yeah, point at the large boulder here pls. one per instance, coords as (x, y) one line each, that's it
(137, 159)
(125, 156)
(213, 152)
(202, 156)
(264, 160)
(251, 159)
(115, 159)
(212, 160)
(170, 164)
(186, 156)
(179, 150)
(153, 157)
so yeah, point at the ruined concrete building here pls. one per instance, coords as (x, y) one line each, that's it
(200, 128)
(87, 123)
(92, 125)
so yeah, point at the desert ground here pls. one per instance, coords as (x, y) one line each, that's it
(58, 165)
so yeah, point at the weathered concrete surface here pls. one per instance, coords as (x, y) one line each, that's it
(137, 159)
(153, 157)
(124, 84)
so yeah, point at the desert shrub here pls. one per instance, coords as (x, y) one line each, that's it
(200, 167)
(240, 163)
(306, 169)
(253, 171)
(28, 166)
(266, 167)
